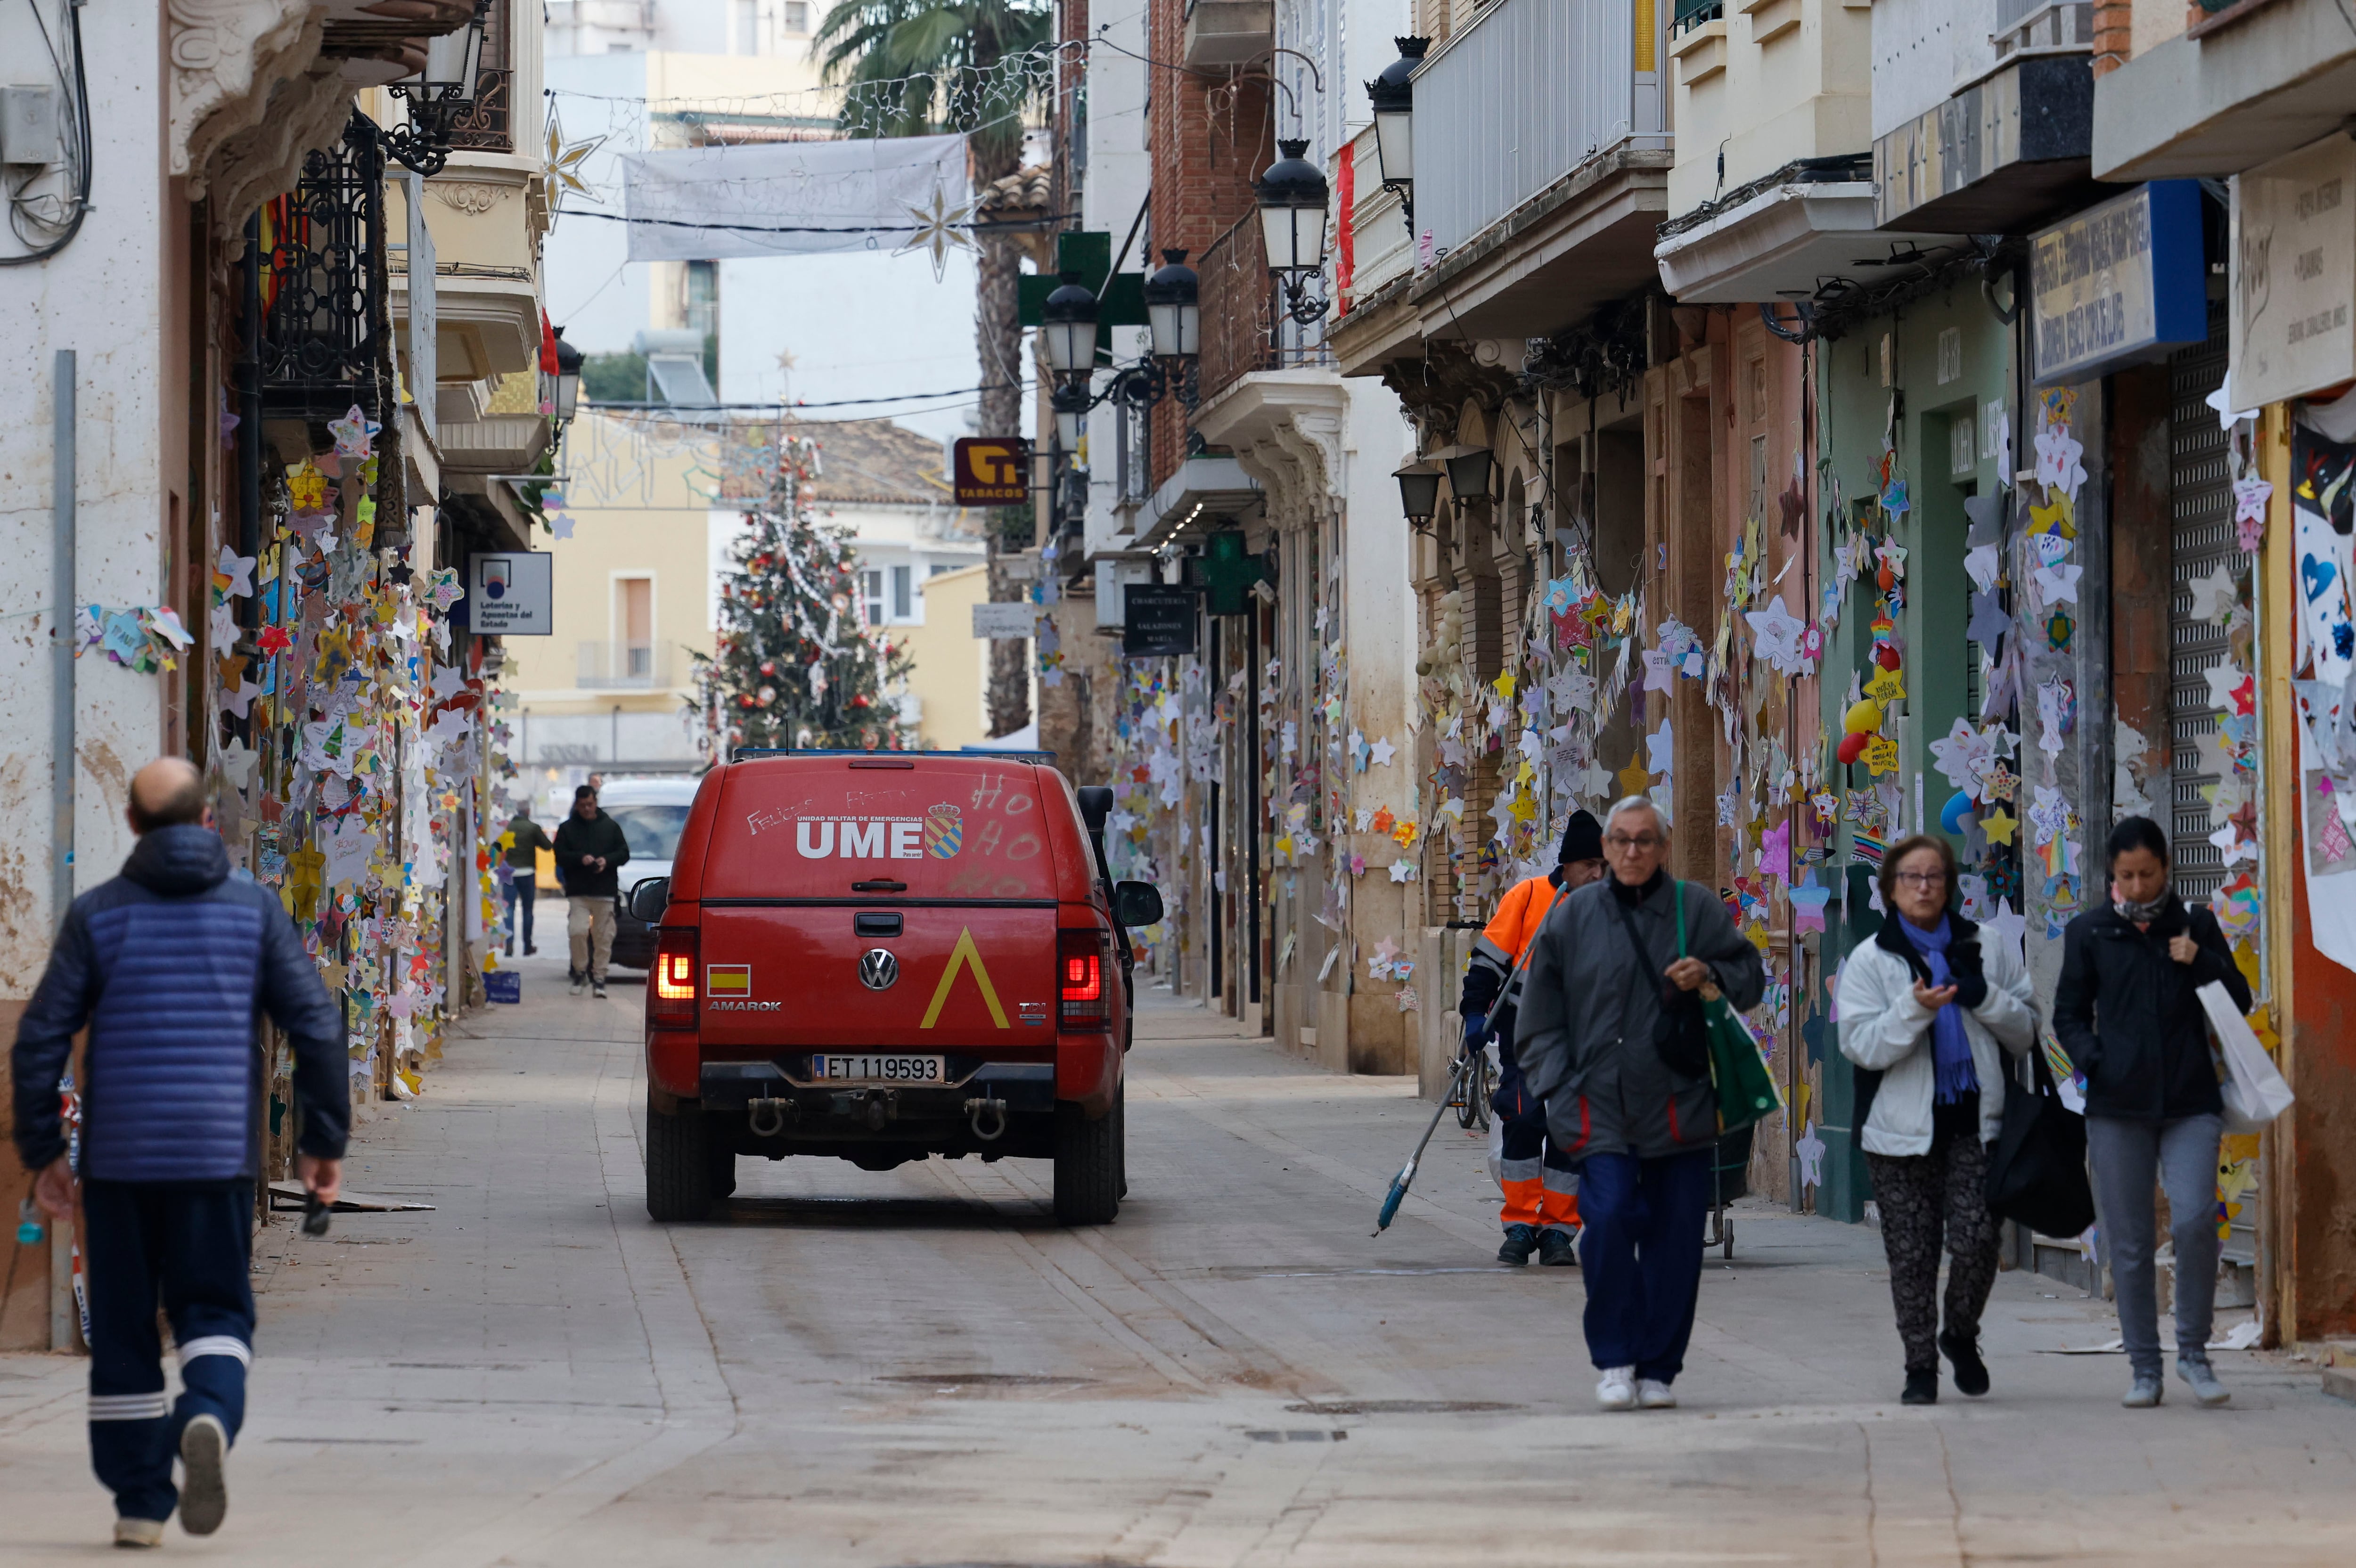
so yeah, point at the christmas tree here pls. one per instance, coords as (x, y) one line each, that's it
(794, 664)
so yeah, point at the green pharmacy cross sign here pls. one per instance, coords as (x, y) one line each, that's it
(1228, 572)
(1120, 302)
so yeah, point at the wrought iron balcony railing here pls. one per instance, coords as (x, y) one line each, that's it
(324, 290)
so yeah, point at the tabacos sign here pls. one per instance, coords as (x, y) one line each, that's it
(940, 834)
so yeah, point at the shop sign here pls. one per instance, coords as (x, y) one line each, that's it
(992, 470)
(1157, 621)
(996, 621)
(2119, 282)
(513, 594)
(2294, 274)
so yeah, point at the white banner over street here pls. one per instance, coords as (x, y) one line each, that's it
(790, 198)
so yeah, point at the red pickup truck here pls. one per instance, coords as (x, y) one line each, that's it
(882, 956)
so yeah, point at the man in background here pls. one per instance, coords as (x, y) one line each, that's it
(171, 966)
(1541, 1183)
(524, 841)
(590, 852)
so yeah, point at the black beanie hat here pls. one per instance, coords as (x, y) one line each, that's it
(1583, 840)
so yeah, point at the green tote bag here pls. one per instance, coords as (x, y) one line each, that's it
(1737, 1068)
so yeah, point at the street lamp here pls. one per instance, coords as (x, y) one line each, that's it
(1068, 322)
(568, 378)
(1069, 401)
(454, 63)
(1173, 309)
(1393, 95)
(1293, 195)
(1419, 485)
(1467, 471)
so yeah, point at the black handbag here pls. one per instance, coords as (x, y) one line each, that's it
(1681, 1028)
(2037, 1172)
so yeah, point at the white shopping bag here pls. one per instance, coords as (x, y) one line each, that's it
(2254, 1092)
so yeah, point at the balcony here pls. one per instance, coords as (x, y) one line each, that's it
(2239, 88)
(1238, 304)
(1542, 155)
(1228, 32)
(624, 666)
(488, 125)
(1381, 248)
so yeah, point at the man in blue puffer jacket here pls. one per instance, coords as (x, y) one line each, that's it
(171, 966)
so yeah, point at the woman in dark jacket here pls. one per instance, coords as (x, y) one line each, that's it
(2127, 1013)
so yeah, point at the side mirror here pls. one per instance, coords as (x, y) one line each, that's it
(1096, 805)
(649, 899)
(1136, 903)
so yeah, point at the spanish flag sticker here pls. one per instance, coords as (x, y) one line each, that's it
(728, 979)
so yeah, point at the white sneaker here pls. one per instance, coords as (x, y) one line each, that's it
(1653, 1394)
(580, 987)
(1618, 1389)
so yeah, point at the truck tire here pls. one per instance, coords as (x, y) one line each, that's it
(678, 1166)
(1088, 1166)
(1120, 1134)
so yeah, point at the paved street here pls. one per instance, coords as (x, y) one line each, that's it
(920, 1368)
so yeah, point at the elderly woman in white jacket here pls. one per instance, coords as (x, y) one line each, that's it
(1922, 1011)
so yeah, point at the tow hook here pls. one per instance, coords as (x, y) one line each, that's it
(992, 1108)
(873, 1107)
(774, 1111)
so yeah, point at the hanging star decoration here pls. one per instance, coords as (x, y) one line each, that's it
(562, 168)
(1634, 778)
(1381, 752)
(355, 433)
(939, 231)
(1999, 824)
(1776, 633)
(2214, 596)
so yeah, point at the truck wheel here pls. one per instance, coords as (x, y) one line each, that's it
(1088, 1166)
(678, 1166)
(722, 1162)
(1120, 1133)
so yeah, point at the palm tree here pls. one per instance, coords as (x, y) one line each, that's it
(913, 68)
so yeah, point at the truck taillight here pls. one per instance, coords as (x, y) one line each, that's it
(1083, 1001)
(671, 992)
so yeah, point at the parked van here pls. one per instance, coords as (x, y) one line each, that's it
(882, 956)
(651, 811)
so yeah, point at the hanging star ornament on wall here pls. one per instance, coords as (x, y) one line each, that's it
(940, 229)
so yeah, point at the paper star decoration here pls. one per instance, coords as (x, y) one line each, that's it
(1660, 752)
(239, 699)
(165, 622)
(1777, 634)
(2251, 495)
(1810, 1149)
(2058, 583)
(1634, 778)
(239, 571)
(1989, 622)
(2058, 464)
(1999, 824)
(1385, 951)
(1660, 670)
(561, 525)
(238, 759)
(1382, 751)
(1981, 563)
(2214, 596)
(355, 433)
(2050, 815)
(1402, 870)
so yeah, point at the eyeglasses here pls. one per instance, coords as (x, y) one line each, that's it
(1925, 880)
(1641, 841)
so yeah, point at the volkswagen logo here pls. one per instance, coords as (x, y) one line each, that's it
(878, 969)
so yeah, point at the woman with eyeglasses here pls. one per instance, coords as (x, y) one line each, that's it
(2126, 1011)
(1922, 1010)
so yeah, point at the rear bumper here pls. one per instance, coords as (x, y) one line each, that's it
(1085, 1069)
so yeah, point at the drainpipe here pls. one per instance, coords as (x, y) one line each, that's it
(64, 603)
(63, 1318)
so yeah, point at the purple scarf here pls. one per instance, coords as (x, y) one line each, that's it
(1951, 1048)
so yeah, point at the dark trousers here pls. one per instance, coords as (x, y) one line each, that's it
(1932, 1203)
(1641, 1251)
(183, 1246)
(523, 889)
(1540, 1181)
